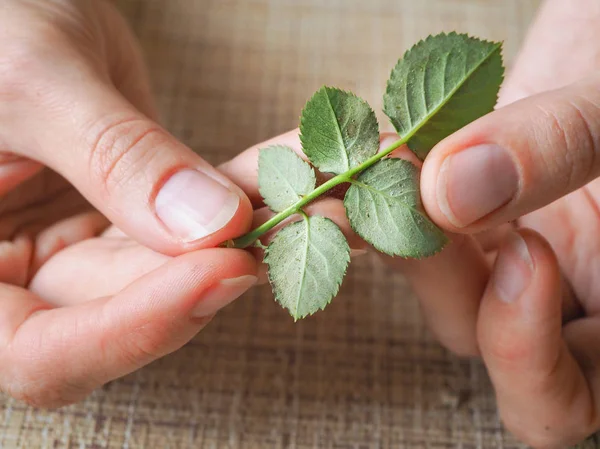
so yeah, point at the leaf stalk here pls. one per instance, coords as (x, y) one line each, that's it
(248, 239)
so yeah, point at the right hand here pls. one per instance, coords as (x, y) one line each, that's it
(530, 308)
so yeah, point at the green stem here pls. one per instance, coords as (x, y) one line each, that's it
(248, 239)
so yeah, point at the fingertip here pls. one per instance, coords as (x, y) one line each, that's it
(433, 174)
(541, 392)
(520, 316)
(164, 309)
(15, 171)
(202, 208)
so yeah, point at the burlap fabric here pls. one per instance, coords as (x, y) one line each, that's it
(363, 374)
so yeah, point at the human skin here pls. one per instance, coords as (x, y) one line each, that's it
(110, 227)
(522, 299)
(518, 192)
(108, 257)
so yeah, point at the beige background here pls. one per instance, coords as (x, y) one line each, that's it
(363, 374)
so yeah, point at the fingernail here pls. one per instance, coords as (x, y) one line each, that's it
(513, 269)
(193, 205)
(222, 294)
(475, 182)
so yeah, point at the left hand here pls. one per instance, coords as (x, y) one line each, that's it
(82, 301)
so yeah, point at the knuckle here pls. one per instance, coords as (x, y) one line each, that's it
(587, 132)
(23, 55)
(20, 65)
(144, 345)
(118, 151)
(506, 350)
(574, 130)
(32, 379)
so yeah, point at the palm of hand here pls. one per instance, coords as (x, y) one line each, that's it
(572, 226)
(128, 304)
(63, 250)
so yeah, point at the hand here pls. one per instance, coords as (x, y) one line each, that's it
(84, 302)
(530, 308)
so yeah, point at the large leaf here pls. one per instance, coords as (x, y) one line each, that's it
(338, 130)
(307, 261)
(384, 207)
(440, 85)
(283, 177)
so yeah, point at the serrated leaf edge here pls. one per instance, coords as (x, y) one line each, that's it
(420, 212)
(343, 91)
(497, 47)
(288, 148)
(337, 289)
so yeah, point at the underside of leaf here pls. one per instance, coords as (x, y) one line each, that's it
(440, 85)
(384, 208)
(339, 131)
(283, 177)
(307, 261)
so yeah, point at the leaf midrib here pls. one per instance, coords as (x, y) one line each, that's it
(339, 132)
(412, 131)
(287, 181)
(303, 275)
(387, 196)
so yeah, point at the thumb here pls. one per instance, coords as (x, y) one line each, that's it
(542, 393)
(515, 160)
(146, 182)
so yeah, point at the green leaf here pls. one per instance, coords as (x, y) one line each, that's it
(339, 131)
(283, 177)
(307, 261)
(384, 207)
(440, 85)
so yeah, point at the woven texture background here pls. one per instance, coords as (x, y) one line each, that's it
(363, 374)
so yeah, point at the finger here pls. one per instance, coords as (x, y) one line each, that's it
(23, 255)
(119, 259)
(14, 170)
(449, 286)
(542, 394)
(54, 357)
(63, 234)
(15, 257)
(92, 262)
(515, 160)
(565, 28)
(128, 69)
(139, 176)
